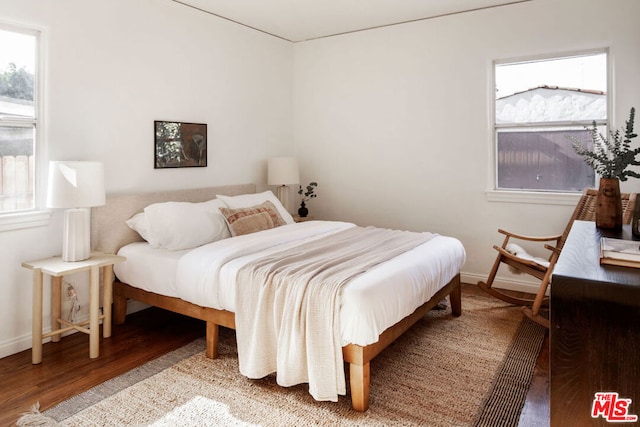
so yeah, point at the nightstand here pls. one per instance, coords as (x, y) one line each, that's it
(298, 218)
(57, 268)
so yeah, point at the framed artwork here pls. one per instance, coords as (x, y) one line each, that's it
(180, 145)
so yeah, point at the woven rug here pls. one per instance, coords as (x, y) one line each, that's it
(445, 371)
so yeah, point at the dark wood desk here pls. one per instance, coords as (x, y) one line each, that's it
(595, 330)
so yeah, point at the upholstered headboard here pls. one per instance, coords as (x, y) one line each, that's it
(108, 229)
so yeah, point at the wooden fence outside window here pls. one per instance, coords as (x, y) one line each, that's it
(16, 183)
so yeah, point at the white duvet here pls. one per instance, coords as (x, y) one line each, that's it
(370, 303)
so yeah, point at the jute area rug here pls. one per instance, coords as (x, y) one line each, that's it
(445, 371)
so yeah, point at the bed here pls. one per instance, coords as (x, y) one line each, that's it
(194, 281)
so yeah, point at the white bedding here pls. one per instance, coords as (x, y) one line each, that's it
(149, 269)
(371, 303)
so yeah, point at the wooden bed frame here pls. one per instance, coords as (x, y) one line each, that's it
(109, 233)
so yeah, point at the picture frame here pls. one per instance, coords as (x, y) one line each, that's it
(179, 144)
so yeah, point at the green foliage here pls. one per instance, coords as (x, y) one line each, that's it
(611, 157)
(16, 83)
(309, 193)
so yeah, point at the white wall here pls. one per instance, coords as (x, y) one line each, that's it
(112, 68)
(394, 123)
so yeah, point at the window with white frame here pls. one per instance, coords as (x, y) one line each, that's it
(18, 118)
(542, 105)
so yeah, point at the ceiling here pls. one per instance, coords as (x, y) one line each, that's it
(299, 20)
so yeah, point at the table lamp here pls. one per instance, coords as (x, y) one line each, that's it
(76, 186)
(283, 171)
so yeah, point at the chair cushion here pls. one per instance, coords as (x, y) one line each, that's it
(519, 252)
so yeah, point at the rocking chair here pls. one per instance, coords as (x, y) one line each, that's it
(517, 259)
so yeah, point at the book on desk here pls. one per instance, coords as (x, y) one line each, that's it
(621, 252)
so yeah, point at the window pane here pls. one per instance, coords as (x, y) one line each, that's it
(552, 104)
(576, 72)
(17, 168)
(542, 160)
(17, 120)
(539, 104)
(17, 68)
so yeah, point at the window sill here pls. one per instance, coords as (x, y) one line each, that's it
(538, 198)
(19, 220)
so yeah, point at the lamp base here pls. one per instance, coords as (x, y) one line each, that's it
(282, 193)
(76, 243)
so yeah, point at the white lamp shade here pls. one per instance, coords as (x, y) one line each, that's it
(75, 184)
(282, 171)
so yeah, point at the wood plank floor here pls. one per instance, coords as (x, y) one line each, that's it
(66, 369)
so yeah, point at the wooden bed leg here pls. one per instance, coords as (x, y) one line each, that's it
(360, 376)
(212, 340)
(455, 298)
(119, 309)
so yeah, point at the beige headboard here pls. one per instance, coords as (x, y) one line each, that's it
(108, 229)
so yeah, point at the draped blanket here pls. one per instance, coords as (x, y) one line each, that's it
(287, 306)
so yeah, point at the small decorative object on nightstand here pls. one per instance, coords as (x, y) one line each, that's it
(302, 210)
(306, 195)
(57, 268)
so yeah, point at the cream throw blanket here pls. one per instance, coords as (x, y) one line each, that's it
(287, 306)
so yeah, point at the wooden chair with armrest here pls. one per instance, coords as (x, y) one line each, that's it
(585, 211)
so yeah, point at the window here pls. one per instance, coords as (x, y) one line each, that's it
(541, 106)
(18, 119)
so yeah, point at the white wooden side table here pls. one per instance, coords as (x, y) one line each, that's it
(57, 268)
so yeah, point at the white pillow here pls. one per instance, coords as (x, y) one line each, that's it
(140, 225)
(184, 225)
(248, 200)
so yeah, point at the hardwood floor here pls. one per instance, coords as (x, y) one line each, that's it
(66, 369)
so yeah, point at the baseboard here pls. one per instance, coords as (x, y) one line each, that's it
(15, 345)
(23, 342)
(502, 283)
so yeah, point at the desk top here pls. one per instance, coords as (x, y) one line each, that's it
(55, 266)
(579, 264)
